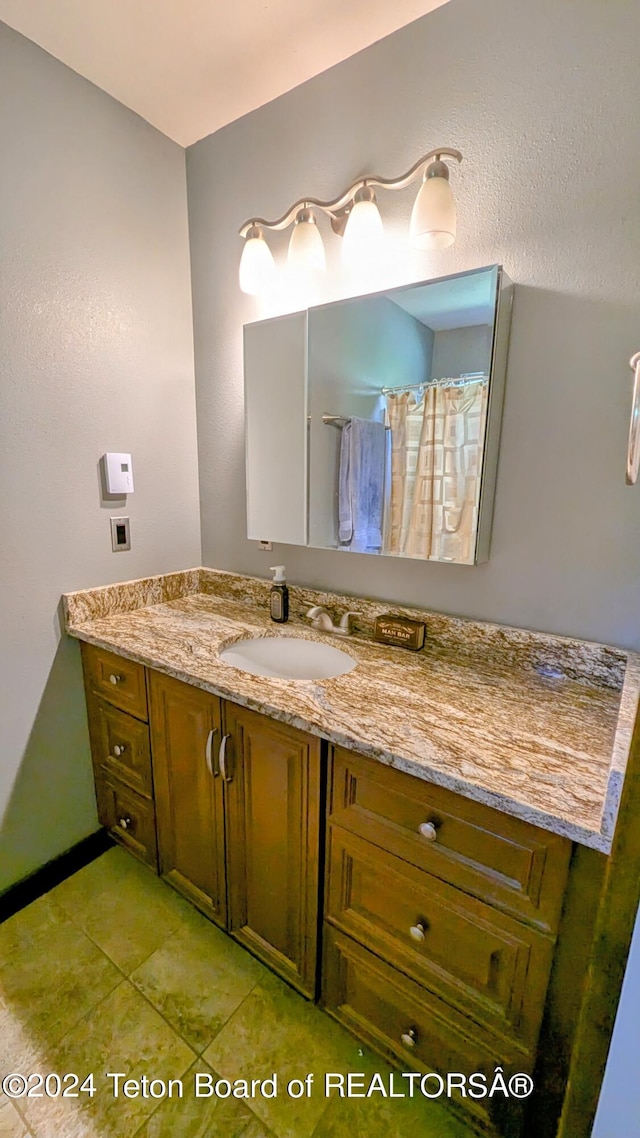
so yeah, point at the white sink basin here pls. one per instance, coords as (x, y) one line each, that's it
(288, 658)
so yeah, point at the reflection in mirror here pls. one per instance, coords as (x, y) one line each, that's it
(403, 399)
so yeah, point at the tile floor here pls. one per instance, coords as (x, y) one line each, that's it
(113, 972)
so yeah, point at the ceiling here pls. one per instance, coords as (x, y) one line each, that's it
(460, 301)
(190, 66)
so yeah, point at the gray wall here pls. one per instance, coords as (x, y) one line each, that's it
(530, 93)
(97, 355)
(458, 350)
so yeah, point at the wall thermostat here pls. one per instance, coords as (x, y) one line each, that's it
(118, 473)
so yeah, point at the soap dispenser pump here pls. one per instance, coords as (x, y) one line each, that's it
(279, 599)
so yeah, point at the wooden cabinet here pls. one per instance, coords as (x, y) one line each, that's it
(513, 865)
(117, 711)
(185, 737)
(238, 812)
(131, 819)
(441, 918)
(119, 681)
(273, 819)
(410, 1026)
(440, 914)
(488, 965)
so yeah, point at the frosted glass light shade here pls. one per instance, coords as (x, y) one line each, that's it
(257, 266)
(306, 248)
(363, 239)
(433, 218)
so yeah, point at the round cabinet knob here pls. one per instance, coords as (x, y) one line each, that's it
(124, 822)
(114, 679)
(119, 749)
(416, 932)
(409, 1038)
(428, 831)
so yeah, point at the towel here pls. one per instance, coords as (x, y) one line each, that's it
(361, 485)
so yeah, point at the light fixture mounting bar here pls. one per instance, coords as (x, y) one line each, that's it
(336, 206)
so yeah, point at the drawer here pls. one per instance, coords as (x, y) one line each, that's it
(513, 865)
(490, 966)
(131, 820)
(121, 746)
(120, 682)
(414, 1029)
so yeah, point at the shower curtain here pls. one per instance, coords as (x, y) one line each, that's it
(436, 450)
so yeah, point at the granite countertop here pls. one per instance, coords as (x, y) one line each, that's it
(536, 726)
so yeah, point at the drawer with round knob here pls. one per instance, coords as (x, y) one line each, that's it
(123, 747)
(505, 861)
(490, 966)
(118, 681)
(131, 820)
(416, 1030)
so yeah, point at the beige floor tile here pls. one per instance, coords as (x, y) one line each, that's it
(22, 1049)
(276, 1031)
(11, 1124)
(197, 979)
(385, 1117)
(123, 1035)
(83, 888)
(23, 932)
(192, 1117)
(130, 914)
(389, 1118)
(51, 974)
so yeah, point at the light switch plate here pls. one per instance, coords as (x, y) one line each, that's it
(120, 534)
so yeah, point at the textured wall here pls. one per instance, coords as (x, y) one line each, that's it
(97, 346)
(540, 99)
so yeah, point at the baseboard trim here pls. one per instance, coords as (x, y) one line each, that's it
(21, 894)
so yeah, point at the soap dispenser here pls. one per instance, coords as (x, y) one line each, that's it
(279, 600)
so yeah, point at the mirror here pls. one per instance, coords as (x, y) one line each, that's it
(373, 423)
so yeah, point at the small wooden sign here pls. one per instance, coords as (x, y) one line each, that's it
(401, 631)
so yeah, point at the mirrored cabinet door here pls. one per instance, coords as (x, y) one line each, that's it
(275, 409)
(373, 423)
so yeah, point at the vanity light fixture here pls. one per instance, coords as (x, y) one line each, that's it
(306, 250)
(257, 266)
(354, 215)
(364, 232)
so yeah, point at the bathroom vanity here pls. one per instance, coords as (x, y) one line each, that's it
(417, 843)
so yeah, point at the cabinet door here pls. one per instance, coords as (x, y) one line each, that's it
(275, 418)
(273, 821)
(185, 738)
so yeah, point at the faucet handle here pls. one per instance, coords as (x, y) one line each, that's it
(320, 619)
(345, 622)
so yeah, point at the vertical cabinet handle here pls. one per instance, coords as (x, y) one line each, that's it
(222, 758)
(208, 753)
(633, 447)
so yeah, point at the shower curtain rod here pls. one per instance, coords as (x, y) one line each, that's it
(459, 381)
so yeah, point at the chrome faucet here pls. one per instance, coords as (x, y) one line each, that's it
(321, 620)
